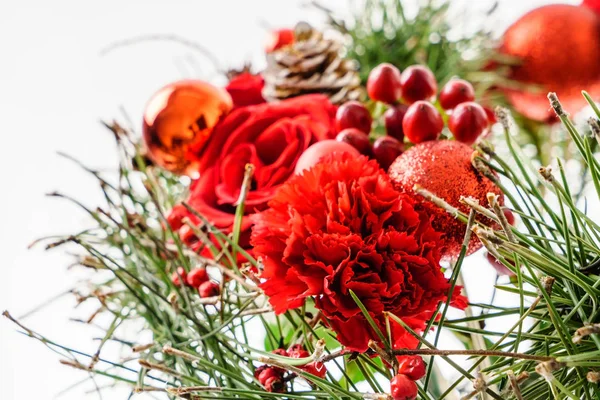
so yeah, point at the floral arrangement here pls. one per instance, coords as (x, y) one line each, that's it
(296, 235)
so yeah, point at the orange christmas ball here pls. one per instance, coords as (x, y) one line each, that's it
(558, 47)
(179, 120)
(444, 168)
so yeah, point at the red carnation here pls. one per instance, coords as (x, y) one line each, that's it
(341, 227)
(245, 89)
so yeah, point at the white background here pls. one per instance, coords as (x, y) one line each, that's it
(54, 88)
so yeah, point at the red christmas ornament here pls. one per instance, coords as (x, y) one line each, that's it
(384, 83)
(386, 149)
(181, 272)
(197, 277)
(454, 92)
(353, 114)
(355, 138)
(558, 47)
(317, 151)
(393, 117)
(179, 120)
(278, 39)
(422, 122)
(444, 168)
(209, 289)
(418, 83)
(467, 122)
(403, 388)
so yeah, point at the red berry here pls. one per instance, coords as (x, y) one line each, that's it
(280, 352)
(393, 121)
(297, 351)
(418, 83)
(278, 39)
(175, 276)
(467, 122)
(316, 369)
(270, 377)
(491, 115)
(209, 289)
(455, 92)
(355, 138)
(353, 114)
(274, 384)
(500, 268)
(422, 122)
(510, 217)
(384, 83)
(196, 277)
(411, 366)
(386, 149)
(403, 388)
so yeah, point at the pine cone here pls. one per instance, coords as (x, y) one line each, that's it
(312, 64)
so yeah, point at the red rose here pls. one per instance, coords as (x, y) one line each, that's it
(341, 227)
(246, 89)
(271, 136)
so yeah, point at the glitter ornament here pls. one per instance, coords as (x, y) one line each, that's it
(179, 120)
(444, 168)
(558, 47)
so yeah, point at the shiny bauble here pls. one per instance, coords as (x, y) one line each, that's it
(179, 120)
(556, 48)
(444, 168)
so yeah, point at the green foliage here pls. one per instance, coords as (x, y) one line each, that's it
(209, 348)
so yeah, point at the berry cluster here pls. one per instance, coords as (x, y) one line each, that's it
(411, 113)
(410, 369)
(198, 279)
(272, 378)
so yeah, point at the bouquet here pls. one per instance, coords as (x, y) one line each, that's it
(300, 234)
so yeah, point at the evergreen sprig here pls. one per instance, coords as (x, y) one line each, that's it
(210, 348)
